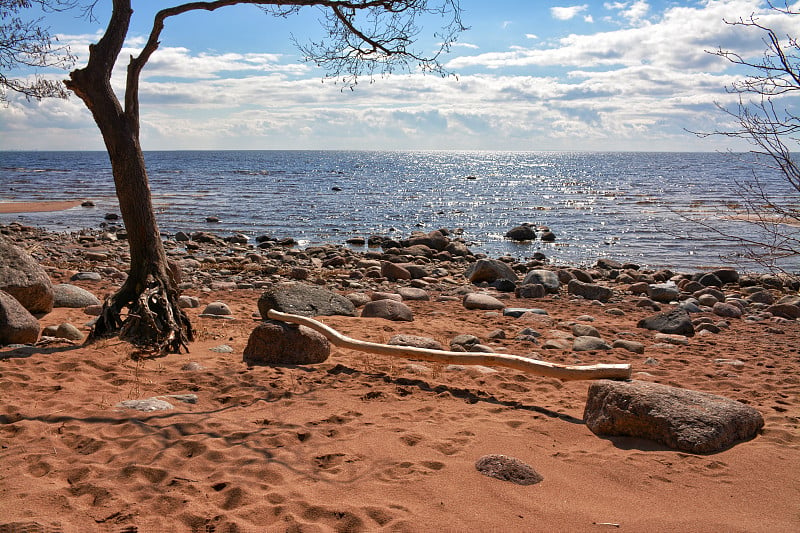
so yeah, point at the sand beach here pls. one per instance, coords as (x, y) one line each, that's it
(365, 442)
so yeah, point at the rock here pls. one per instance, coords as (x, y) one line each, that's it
(413, 293)
(274, 342)
(524, 232)
(66, 295)
(608, 264)
(709, 280)
(675, 321)
(489, 270)
(305, 300)
(762, 297)
(464, 342)
(631, 346)
(17, 325)
(585, 330)
(378, 295)
(589, 291)
(476, 300)
(507, 469)
(548, 236)
(393, 271)
(188, 302)
(531, 290)
(726, 310)
(388, 309)
(358, 298)
(86, 276)
(517, 312)
(415, 341)
(217, 309)
(663, 292)
(147, 405)
(24, 279)
(726, 275)
(69, 332)
(691, 421)
(785, 310)
(588, 344)
(546, 278)
(677, 340)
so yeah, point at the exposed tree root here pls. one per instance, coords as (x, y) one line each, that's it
(154, 320)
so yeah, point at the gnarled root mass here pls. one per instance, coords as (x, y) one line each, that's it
(154, 320)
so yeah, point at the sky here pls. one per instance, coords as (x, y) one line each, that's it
(630, 75)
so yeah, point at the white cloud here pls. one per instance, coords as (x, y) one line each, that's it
(567, 13)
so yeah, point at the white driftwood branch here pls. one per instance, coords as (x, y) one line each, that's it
(533, 366)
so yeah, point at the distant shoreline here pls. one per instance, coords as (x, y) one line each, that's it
(37, 207)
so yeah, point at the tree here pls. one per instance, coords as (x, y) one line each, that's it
(362, 37)
(27, 44)
(767, 117)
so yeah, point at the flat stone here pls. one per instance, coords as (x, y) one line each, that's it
(416, 341)
(507, 468)
(413, 293)
(631, 346)
(147, 405)
(476, 300)
(588, 344)
(305, 300)
(687, 420)
(388, 309)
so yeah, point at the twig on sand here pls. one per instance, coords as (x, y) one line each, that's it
(517, 362)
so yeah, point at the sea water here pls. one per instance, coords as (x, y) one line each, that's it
(625, 206)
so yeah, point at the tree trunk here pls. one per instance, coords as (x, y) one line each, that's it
(154, 319)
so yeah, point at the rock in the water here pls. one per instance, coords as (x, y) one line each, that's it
(476, 300)
(24, 279)
(305, 300)
(17, 325)
(416, 341)
(524, 232)
(489, 270)
(546, 278)
(675, 321)
(274, 342)
(589, 291)
(507, 468)
(388, 309)
(691, 421)
(66, 295)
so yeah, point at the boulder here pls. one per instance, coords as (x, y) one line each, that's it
(279, 343)
(476, 300)
(489, 270)
(67, 295)
(675, 321)
(691, 421)
(305, 300)
(524, 232)
(413, 293)
(388, 309)
(17, 325)
(394, 272)
(589, 291)
(547, 278)
(24, 279)
(726, 310)
(663, 292)
(532, 291)
(415, 341)
(785, 310)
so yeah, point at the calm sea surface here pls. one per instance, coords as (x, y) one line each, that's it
(621, 205)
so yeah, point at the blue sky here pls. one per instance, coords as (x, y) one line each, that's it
(556, 75)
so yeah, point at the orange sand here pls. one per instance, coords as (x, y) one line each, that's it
(369, 443)
(37, 207)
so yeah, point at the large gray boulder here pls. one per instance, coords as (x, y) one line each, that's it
(305, 300)
(279, 343)
(489, 270)
(67, 295)
(691, 421)
(546, 278)
(24, 279)
(17, 325)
